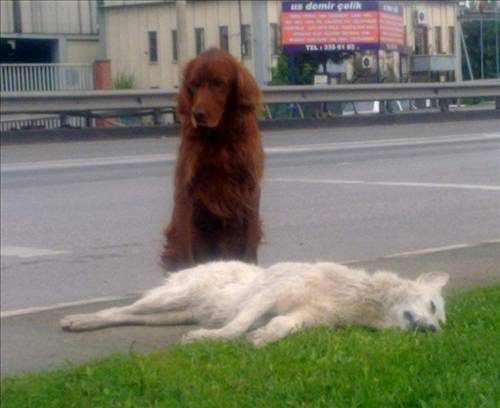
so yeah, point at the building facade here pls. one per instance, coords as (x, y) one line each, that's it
(141, 36)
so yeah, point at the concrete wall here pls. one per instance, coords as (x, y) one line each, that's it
(81, 51)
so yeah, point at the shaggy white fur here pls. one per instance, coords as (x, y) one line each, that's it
(233, 298)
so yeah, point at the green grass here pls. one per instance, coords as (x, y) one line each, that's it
(458, 367)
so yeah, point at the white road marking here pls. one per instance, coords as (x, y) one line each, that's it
(432, 250)
(415, 141)
(427, 251)
(274, 150)
(387, 183)
(38, 309)
(91, 162)
(24, 252)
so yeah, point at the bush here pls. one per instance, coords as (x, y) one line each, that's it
(123, 80)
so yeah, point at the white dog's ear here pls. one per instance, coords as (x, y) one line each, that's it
(436, 279)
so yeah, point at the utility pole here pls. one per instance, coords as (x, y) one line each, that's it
(496, 40)
(458, 46)
(180, 12)
(261, 42)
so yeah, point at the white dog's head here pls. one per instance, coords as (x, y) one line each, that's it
(422, 305)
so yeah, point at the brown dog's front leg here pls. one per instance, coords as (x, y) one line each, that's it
(178, 250)
(254, 232)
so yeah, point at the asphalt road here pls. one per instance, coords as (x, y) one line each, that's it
(81, 221)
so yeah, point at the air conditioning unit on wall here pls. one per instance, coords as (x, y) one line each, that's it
(421, 17)
(367, 62)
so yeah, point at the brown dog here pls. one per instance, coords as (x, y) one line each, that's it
(219, 165)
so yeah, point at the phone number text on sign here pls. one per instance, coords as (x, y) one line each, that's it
(330, 47)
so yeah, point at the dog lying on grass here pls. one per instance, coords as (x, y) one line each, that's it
(232, 298)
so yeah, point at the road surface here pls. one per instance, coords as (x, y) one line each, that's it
(83, 221)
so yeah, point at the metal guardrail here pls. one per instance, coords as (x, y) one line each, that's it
(373, 92)
(85, 101)
(88, 102)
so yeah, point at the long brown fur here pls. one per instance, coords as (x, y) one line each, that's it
(219, 165)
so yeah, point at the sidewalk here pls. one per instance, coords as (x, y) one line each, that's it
(33, 342)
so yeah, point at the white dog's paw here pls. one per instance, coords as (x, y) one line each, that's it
(195, 335)
(80, 322)
(258, 338)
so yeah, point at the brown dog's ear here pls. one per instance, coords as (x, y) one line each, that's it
(183, 102)
(248, 94)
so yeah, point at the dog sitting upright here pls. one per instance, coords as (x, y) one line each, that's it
(219, 165)
(233, 298)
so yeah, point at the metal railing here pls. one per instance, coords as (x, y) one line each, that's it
(375, 92)
(92, 104)
(25, 122)
(46, 77)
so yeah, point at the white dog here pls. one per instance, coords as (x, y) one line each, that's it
(234, 298)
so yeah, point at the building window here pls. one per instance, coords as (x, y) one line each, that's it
(224, 38)
(438, 40)
(200, 40)
(246, 41)
(421, 43)
(275, 39)
(153, 46)
(451, 40)
(175, 55)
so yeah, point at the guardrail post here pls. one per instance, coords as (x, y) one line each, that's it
(64, 120)
(268, 112)
(444, 105)
(300, 111)
(88, 120)
(388, 107)
(382, 107)
(157, 117)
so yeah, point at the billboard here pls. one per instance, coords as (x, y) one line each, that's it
(311, 26)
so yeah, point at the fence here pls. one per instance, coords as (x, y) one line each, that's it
(46, 77)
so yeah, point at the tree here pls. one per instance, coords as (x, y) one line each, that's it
(306, 65)
(472, 35)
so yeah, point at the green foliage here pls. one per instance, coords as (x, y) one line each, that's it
(306, 66)
(351, 367)
(281, 74)
(123, 80)
(472, 36)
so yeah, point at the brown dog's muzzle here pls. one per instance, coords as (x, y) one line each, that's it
(200, 117)
(208, 107)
